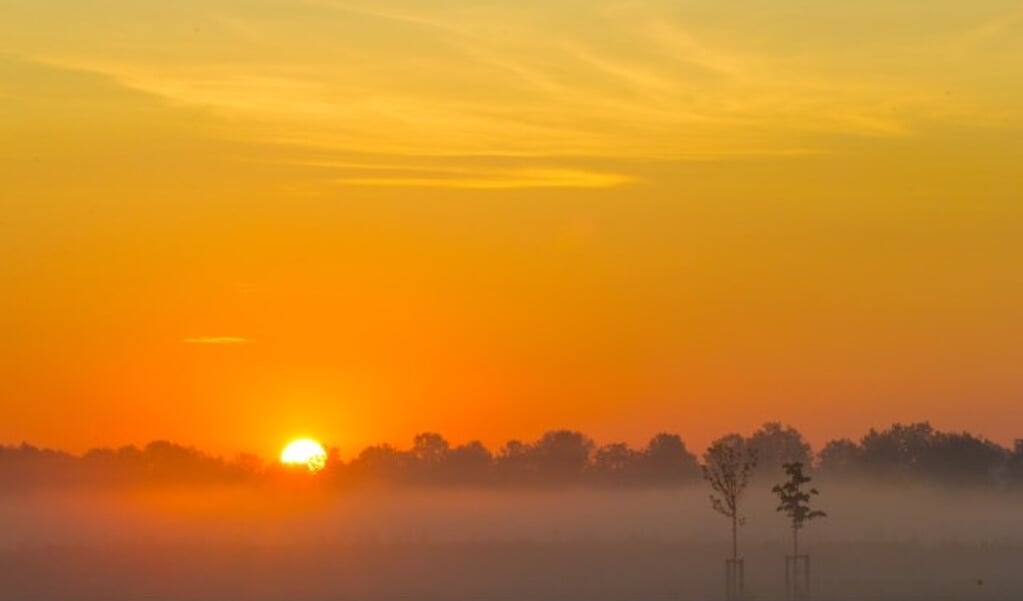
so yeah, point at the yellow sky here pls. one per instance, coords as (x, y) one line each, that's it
(227, 223)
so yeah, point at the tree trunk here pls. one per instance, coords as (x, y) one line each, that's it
(735, 537)
(795, 540)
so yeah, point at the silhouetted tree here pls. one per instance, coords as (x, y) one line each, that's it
(616, 463)
(513, 462)
(666, 460)
(429, 457)
(558, 457)
(166, 462)
(334, 468)
(470, 463)
(794, 501)
(960, 458)
(112, 466)
(920, 451)
(381, 462)
(728, 466)
(1014, 464)
(840, 457)
(430, 448)
(897, 450)
(562, 455)
(777, 444)
(28, 466)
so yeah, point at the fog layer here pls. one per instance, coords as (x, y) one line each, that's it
(878, 542)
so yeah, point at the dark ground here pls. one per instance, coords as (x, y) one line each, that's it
(562, 571)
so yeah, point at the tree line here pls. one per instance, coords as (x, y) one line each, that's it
(915, 452)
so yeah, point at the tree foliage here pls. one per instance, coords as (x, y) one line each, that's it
(777, 444)
(728, 466)
(920, 452)
(794, 500)
(558, 458)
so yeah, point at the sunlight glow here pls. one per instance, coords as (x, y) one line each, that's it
(307, 452)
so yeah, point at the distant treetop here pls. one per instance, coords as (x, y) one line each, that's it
(558, 458)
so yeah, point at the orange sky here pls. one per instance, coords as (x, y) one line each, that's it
(358, 221)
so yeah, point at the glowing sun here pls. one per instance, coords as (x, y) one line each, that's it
(307, 452)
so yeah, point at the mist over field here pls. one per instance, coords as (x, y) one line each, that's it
(912, 512)
(884, 541)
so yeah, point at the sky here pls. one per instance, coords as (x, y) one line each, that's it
(231, 223)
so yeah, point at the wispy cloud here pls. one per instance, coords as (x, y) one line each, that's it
(617, 80)
(375, 10)
(458, 172)
(996, 27)
(496, 180)
(223, 340)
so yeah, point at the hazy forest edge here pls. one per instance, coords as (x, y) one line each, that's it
(915, 452)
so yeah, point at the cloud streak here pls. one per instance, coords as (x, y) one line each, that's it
(217, 340)
(498, 180)
(624, 81)
(456, 173)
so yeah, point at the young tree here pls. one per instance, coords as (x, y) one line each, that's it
(795, 502)
(728, 466)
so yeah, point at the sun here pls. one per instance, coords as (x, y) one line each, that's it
(307, 452)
